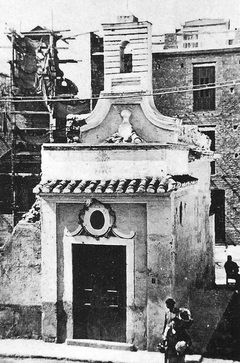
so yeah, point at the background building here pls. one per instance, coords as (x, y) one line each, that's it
(216, 111)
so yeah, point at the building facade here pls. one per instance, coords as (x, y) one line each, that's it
(216, 112)
(125, 210)
(206, 33)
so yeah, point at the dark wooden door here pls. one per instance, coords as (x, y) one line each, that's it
(99, 292)
(218, 207)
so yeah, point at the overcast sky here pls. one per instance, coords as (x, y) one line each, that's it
(88, 15)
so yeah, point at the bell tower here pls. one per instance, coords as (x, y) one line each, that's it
(127, 55)
(126, 105)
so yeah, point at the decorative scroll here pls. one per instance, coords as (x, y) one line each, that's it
(98, 220)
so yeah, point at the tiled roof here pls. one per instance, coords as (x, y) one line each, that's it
(127, 186)
(33, 215)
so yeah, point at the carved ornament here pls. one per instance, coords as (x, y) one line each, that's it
(98, 220)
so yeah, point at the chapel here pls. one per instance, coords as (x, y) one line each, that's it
(124, 208)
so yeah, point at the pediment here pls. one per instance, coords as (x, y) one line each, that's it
(136, 121)
(107, 123)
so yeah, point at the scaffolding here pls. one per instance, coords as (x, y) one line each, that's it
(35, 75)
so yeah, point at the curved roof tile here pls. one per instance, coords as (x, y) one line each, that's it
(127, 186)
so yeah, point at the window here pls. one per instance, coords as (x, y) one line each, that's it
(195, 45)
(180, 213)
(127, 63)
(210, 132)
(125, 59)
(203, 99)
(97, 219)
(190, 36)
(190, 40)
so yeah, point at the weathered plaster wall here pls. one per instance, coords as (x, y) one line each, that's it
(112, 161)
(201, 169)
(173, 254)
(180, 247)
(49, 270)
(189, 241)
(128, 217)
(151, 219)
(193, 239)
(160, 272)
(20, 297)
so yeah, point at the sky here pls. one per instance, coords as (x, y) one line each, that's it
(86, 15)
(82, 16)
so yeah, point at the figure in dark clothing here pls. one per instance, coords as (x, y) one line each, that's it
(178, 340)
(170, 314)
(232, 269)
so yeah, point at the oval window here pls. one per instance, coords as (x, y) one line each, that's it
(97, 219)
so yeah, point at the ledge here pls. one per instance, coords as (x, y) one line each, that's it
(126, 146)
(101, 344)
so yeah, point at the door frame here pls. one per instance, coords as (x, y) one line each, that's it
(68, 241)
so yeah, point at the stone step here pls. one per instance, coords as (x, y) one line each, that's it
(101, 344)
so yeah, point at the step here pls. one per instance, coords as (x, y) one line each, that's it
(101, 344)
(196, 358)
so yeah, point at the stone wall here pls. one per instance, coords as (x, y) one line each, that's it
(177, 70)
(20, 266)
(170, 40)
(6, 222)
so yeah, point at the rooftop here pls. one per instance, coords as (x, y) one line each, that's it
(120, 186)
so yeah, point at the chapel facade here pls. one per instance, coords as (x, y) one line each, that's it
(124, 208)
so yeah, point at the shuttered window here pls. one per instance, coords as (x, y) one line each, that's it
(204, 99)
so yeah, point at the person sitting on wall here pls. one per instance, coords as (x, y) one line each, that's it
(232, 269)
